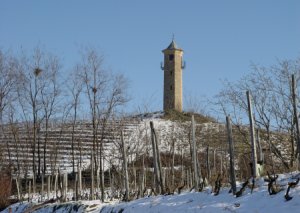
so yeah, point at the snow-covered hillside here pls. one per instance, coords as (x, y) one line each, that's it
(258, 201)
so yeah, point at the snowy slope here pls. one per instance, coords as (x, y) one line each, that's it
(258, 201)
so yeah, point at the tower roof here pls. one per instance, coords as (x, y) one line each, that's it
(173, 46)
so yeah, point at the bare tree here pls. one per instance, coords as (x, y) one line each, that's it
(8, 66)
(272, 104)
(29, 91)
(50, 93)
(194, 104)
(8, 79)
(75, 87)
(94, 81)
(105, 92)
(37, 90)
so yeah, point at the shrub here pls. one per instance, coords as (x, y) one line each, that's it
(5, 188)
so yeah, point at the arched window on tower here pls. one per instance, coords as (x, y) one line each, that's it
(171, 57)
(171, 87)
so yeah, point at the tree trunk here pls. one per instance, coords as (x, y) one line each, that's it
(182, 168)
(43, 185)
(172, 166)
(221, 163)
(92, 177)
(45, 146)
(292, 139)
(110, 180)
(214, 161)
(39, 154)
(33, 183)
(76, 187)
(102, 173)
(73, 138)
(79, 179)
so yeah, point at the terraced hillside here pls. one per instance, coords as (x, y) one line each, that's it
(58, 144)
(63, 144)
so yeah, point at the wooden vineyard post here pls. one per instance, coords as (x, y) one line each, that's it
(142, 178)
(261, 154)
(48, 186)
(79, 179)
(65, 186)
(196, 177)
(111, 179)
(56, 184)
(231, 154)
(43, 189)
(97, 179)
(252, 133)
(124, 149)
(207, 163)
(296, 120)
(221, 163)
(18, 187)
(33, 184)
(162, 188)
(29, 188)
(156, 161)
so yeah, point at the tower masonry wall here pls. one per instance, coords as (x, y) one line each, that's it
(173, 79)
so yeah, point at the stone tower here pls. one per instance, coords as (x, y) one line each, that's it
(173, 65)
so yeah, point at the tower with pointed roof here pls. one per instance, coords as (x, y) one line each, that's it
(173, 65)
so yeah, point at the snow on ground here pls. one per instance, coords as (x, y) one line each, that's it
(80, 206)
(258, 201)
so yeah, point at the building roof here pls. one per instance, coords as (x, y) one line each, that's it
(173, 46)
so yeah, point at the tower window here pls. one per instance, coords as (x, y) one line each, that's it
(171, 57)
(171, 72)
(171, 87)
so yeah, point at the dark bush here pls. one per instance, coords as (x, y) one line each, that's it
(5, 188)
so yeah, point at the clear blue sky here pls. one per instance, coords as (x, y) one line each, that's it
(219, 38)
